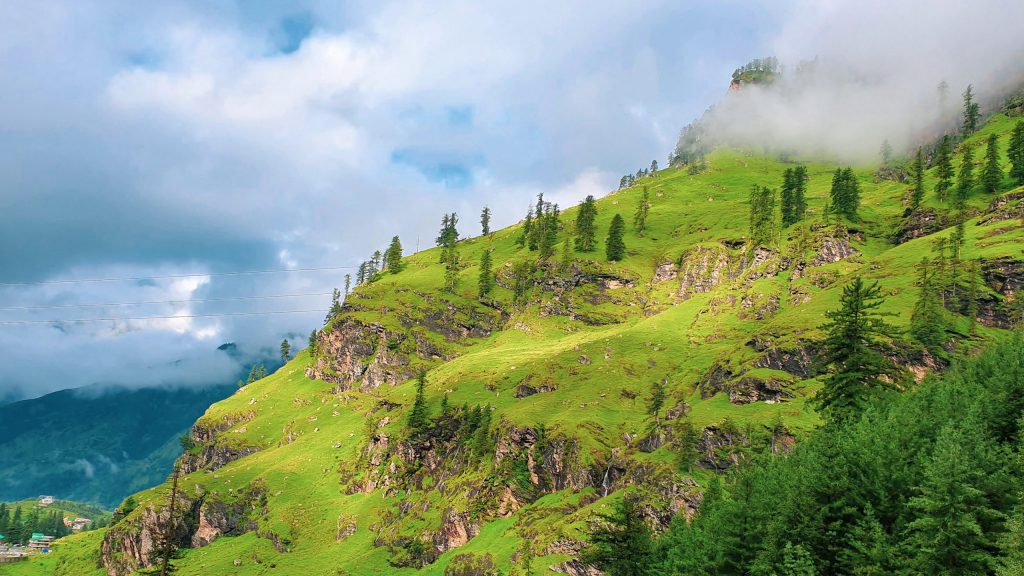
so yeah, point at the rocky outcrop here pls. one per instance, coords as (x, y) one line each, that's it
(230, 518)
(131, 544)
(719, 447)
(749, 389)
(833, 249)
(198, 520)
(353, 353)
(703, 268)
(797, 360)
(665, 272)
(742, 388)
(211, 450)
(1006, 207)
(919, 223)
(1001, 308)
(576, 568)
(531, 385)
(456, 529)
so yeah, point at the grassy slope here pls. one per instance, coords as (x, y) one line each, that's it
(677, 341)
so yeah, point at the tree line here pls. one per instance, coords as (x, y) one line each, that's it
(18, 527)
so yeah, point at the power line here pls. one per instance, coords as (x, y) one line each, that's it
(118, 319)
(113, 304)
(174, 276)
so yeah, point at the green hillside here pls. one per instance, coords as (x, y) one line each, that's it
(314, 469)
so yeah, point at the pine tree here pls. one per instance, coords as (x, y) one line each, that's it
(418, 414)
(654, 167)
(944, 169)
(788, 197)
(449, 235)
(393, 256)
(656, 400)
(972, 113)
(348, 284)
(566, 262)
(615, 247)
(14, 532)
(537, 232)
(965, 178)
(585, 231)
(796, 561)
(623, 182)
(800, 194)
(762, 215)
(623, 544)
(486, 280)
(527, 229)
(1011, 545)
(451, 268)
(257, 372)
(445, 407)
(549, 239)
(640, 216)
(926, 321)
(1016, 153)
(948, 533)
(286, 350)
(312, 342)
(165, 547)
(375, 264)
(917, 192)
(485, 221)
(845, 193)
(440, 240)
(526, 557)
(522, 280)
(335, 309)
(992, 174)
(885, 152)
(869, 550)
(850, 347)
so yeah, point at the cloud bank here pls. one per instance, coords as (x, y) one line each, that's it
(859, 73)
(195, 138)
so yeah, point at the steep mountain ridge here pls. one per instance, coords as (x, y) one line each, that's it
(314, 468)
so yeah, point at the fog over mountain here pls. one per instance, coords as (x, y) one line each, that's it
(856, 74)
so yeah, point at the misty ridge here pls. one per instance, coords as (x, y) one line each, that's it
(830, 108)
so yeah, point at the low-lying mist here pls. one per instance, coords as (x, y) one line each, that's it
(854, 75)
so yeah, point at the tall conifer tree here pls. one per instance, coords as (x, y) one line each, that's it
(851, 348)
(585, 231)
(992, 174)
(944, 169)
(615, 247)
(917, 192)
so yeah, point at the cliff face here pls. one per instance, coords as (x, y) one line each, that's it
(365, 356)
(198, 520)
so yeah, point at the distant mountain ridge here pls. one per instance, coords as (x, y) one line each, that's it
(96, 445)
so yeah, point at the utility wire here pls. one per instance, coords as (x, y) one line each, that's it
(113, 304)
(118, 319)
(173, 276)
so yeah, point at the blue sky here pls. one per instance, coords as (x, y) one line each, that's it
(141, 139)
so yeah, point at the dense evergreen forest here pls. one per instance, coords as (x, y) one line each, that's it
(922, 482)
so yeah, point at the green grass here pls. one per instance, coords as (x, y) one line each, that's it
(646, 333)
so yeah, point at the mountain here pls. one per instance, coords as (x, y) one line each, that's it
(576, 380)
(96, 444)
